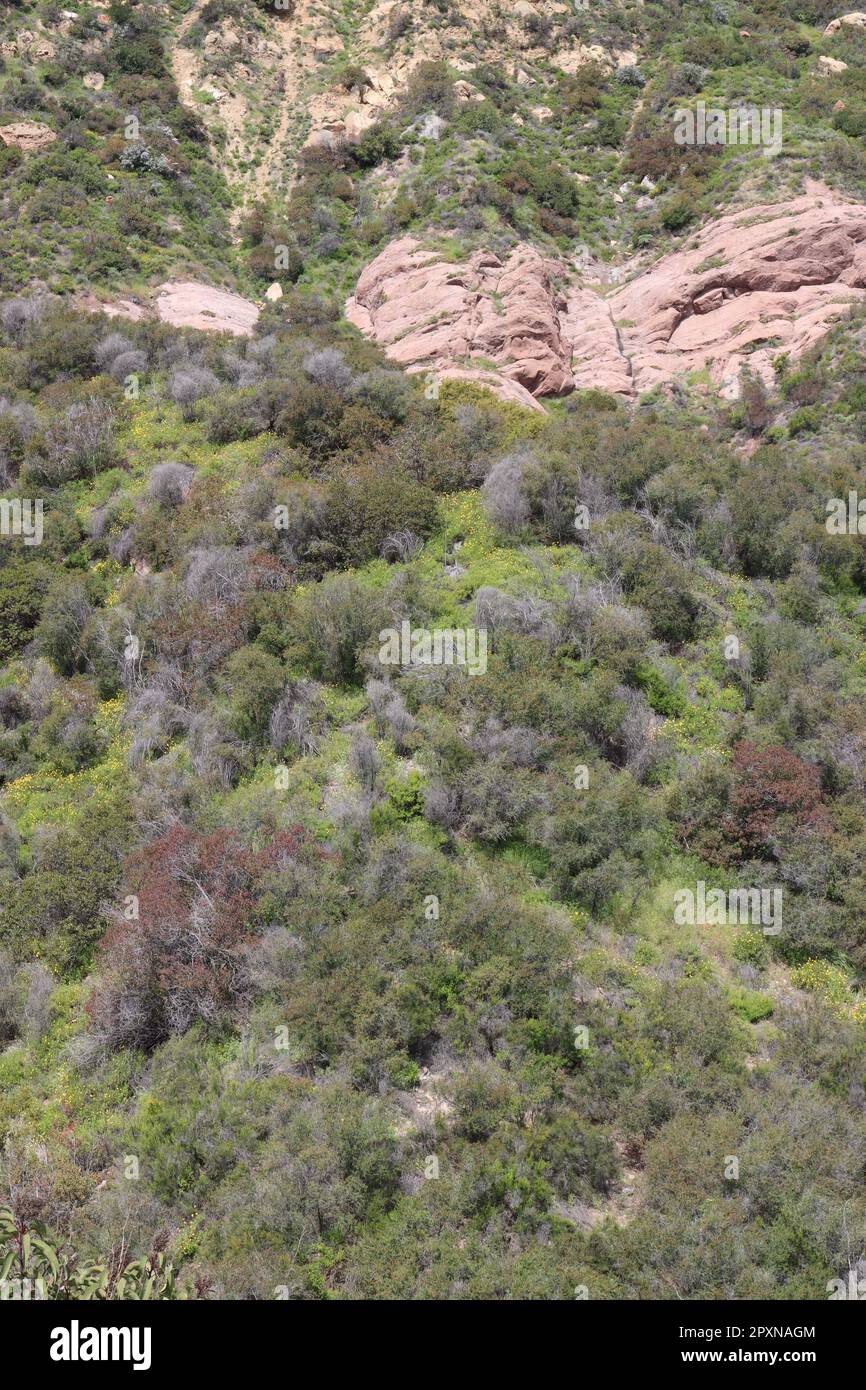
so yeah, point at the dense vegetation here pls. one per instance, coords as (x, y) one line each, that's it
(283, 925)
(296, 950)
(127, 189)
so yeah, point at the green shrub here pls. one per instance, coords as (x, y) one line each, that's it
(751, 1006)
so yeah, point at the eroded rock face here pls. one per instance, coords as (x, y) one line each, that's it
(750, 285)
(747, 287)
(29, 136)
(430, 314)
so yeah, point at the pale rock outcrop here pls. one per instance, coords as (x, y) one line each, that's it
(188, 304)
(356, 123)
(579, 55)
(119, 308)
(326, 45)
(464, 91)
(855, 20)
(829, 67)
(748, 286)
(29, 136)
(36, 48)
(430, 127)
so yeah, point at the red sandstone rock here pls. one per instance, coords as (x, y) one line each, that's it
(750, 285)
(426, 311)
(187, 304)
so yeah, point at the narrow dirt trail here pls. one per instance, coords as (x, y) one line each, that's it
(185, 65)
(295, 64)
(182, 61)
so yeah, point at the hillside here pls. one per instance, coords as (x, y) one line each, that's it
(432, 651)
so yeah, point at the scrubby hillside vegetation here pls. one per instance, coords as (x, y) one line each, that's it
(328, 978)
(282, 925)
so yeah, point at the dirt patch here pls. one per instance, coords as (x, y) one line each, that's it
(274, 65)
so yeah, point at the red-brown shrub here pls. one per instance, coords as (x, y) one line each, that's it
(183, 959)
(771, 786)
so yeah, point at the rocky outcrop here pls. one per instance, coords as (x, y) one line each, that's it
(749, 286)
(32, 47)
(855, 20)
(113, 309)
(29, 136)
(187, 304)
(432, 315)
(434, 33)
(597, 358)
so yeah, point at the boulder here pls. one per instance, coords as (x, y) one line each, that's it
(855, 20)
(357, 122)
(29, 136)
(326, 45)
(330, 137)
